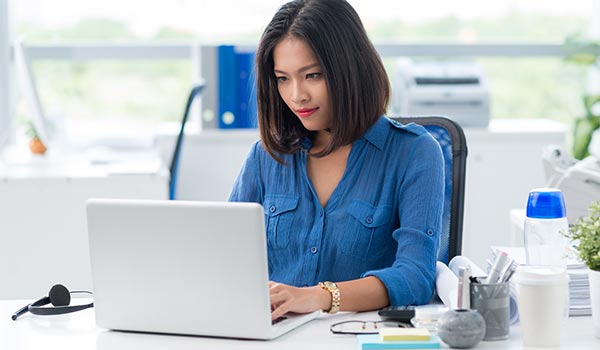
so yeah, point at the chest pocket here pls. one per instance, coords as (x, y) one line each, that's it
(279, 213)
(364, 232)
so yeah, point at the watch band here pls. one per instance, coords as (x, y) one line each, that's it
(333, 289)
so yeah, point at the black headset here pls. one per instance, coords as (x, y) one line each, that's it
(60, 297)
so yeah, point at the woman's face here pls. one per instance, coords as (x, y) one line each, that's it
(301, 83)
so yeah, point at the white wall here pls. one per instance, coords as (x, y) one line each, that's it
(209, 162)
(503, 165)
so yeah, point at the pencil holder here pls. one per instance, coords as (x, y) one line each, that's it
(492, 301)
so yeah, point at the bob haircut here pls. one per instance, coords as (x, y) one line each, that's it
(356, 80)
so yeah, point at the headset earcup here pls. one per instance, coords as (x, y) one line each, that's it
(59, 295)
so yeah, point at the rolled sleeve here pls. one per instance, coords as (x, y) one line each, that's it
(410, 279)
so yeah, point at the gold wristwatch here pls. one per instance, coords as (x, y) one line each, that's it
(335, 296)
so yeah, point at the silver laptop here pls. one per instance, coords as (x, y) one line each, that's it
(196, 268)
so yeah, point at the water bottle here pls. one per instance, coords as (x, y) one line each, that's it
(545, 225)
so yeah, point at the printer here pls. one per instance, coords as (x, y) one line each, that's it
(455, 89)
(579, 181)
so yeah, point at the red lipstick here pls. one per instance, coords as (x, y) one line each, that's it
(306, 112)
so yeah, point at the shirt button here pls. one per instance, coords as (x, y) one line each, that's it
(321, 213)
(369, 219)
(430, 232)
(272, 209)
(314, 250)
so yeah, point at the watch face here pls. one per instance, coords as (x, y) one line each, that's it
(330, 284)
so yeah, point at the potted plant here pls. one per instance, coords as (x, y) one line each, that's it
(586, 233)
(35, 143)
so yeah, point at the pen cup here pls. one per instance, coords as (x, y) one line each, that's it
(492, 301)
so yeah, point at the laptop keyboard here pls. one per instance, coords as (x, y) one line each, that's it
(279, 319)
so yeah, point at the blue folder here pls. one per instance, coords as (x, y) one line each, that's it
(247, 86)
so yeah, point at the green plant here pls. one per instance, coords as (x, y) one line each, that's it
(586, 53)
(32, 132)
(587, 232)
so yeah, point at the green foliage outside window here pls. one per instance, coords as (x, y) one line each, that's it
(151, 91)
(585, 53)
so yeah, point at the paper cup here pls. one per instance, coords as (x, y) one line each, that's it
(541, 297)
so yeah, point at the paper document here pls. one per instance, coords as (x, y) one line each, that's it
(446, 283)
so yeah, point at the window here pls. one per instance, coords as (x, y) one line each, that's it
(112, 100)
(132, 97)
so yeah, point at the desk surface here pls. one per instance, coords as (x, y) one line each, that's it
(96, 164)
(79, 331)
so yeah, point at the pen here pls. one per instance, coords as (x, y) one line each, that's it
(509, 273)
(464, 287)
(461, 281)
(505, 269)
(497, 267)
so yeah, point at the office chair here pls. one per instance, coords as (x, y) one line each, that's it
(451, 138)
(174, 167)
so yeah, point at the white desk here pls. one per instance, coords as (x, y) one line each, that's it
(43, 230)
(78, 331)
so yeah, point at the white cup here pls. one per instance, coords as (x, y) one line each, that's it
(541, 298)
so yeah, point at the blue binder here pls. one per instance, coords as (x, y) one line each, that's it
(228, 111)
(247, 75)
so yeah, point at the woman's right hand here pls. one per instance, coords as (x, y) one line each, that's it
(285, 298)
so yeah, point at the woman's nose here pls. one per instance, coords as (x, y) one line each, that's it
(299, 94)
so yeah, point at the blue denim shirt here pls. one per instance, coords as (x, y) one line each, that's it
(383, 219)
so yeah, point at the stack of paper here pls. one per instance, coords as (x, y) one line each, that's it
(401, 334)
(579, 290)
(579, 285)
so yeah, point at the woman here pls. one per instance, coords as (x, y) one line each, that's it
(353, 200)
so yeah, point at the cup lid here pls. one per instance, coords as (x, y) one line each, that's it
(546, 203)
(540, 275)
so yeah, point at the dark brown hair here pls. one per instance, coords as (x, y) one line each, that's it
(357, 83)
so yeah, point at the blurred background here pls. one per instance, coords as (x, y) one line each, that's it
(115, 94)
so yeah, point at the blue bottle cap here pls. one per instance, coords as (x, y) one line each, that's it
(546, 203)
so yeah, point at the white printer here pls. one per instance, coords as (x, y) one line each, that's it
(579, 181)
(454, 89)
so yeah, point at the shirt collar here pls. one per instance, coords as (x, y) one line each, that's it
(378, 132)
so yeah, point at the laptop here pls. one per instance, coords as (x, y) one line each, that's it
(193, 268)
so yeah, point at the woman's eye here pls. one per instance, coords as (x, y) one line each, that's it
(313, 75)
(281, 79)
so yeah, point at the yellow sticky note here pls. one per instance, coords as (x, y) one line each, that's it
(396, 334)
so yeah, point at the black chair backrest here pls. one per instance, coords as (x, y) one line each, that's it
(174, 166)
(451, 138)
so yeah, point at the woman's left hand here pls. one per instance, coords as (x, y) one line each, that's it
(286, 298)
